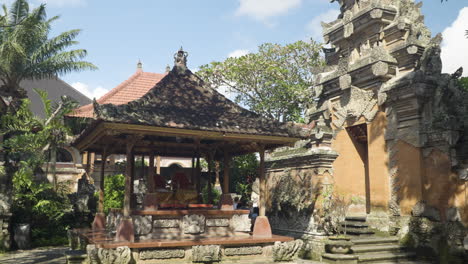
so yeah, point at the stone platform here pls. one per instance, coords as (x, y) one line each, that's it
(246, 249)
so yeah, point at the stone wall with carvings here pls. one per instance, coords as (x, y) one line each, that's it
(396, 125)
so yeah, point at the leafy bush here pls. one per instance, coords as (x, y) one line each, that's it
(114, 191)
(215, 195)
(243, 173)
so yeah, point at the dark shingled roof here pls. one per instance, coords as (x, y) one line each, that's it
(55, 88)
(182, 100)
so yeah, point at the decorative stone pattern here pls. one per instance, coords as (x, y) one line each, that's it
(218, 222)
(142, 224)
(193, 224)
(162, 254)
(166, 223)
(206, 254)
(120, 255)
(240, 251)
(286, 251)
(92, 252)
(241, 223)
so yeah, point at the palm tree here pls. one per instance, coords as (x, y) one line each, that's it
(27, 52)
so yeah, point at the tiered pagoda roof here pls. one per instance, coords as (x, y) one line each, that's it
(182, 105)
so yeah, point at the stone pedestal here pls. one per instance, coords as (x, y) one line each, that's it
(125, 230)
(262, 227)
(99, 221)
(150, 202)
(226, 202)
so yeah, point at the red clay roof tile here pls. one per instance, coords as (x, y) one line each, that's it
(135, 87)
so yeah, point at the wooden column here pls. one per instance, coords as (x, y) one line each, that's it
(100, 217)
(197, 176)
(226, 199)
(210, 176)
(262, 226)
(150, 201)
(262, 197)
(192, 175)
(131, 164)
(158, 165)
(142, 175)
(226, 178)
(125, 230)
(151, 172)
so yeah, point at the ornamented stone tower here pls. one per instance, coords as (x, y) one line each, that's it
(389, 129)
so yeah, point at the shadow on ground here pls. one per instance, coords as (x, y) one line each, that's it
(36, 256)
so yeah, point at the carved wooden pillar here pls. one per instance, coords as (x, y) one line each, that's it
(125, 230)
(262, 226)
(100, 217)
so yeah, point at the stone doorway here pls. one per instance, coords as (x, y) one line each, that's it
(359, 137)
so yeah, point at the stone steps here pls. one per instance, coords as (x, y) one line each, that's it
(375, 241)
(386, 257)
(356, 226)
(377, 248)
(356, 218)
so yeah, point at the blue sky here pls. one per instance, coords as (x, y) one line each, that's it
(117, 33)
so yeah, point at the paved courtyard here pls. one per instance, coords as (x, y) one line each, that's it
(56, 256)
(37, 256)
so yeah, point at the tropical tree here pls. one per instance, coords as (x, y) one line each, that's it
(274, 82)
(27, 52)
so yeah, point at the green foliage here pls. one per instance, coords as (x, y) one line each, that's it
(27, 140)
(274, 82)
(114, 190)
(27, 52)
(243, 173)
(464, 83)
(215, 195)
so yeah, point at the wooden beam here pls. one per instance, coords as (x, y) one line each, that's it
(165, 131)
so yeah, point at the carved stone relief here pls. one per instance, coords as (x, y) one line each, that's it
(193, 224)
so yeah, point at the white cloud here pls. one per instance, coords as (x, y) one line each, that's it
(264, 9)
(455, 44)
(89, 92)
(62, 3)
(315, 27)
(238, 53)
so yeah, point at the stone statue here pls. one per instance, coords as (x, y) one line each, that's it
(180, 59)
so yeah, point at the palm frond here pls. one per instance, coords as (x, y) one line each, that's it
(19, 10)
(46, 102)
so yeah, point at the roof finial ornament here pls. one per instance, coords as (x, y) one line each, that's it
(180, 59)
(139, 66)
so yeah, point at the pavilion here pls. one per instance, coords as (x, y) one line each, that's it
(181, 116)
